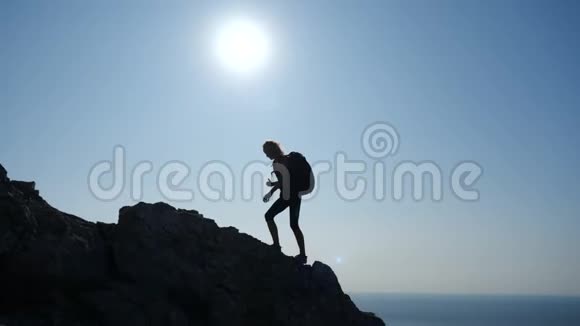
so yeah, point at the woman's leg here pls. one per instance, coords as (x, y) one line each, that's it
(294, 216)
(278, 206)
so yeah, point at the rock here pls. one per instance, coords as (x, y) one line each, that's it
(27, 188)
(324, 277)
(3, 175)
(158, 265)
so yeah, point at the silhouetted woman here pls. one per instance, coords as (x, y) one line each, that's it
(288, 198)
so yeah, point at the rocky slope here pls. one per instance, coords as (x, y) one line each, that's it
(157, 266)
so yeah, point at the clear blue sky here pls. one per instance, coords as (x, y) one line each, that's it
(497, 82)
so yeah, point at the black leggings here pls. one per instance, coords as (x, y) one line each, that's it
(280, 204)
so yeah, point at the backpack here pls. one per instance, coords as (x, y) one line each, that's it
(301, 176)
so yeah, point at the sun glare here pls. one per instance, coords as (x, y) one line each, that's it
(242, 46)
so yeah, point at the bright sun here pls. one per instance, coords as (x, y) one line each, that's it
(242, 46)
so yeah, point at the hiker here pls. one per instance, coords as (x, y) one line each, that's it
(294, 178)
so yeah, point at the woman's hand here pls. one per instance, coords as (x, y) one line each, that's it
(267, 197)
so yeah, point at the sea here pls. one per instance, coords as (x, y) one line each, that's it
(471, 310)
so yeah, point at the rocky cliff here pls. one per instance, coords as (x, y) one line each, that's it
(157, 266)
